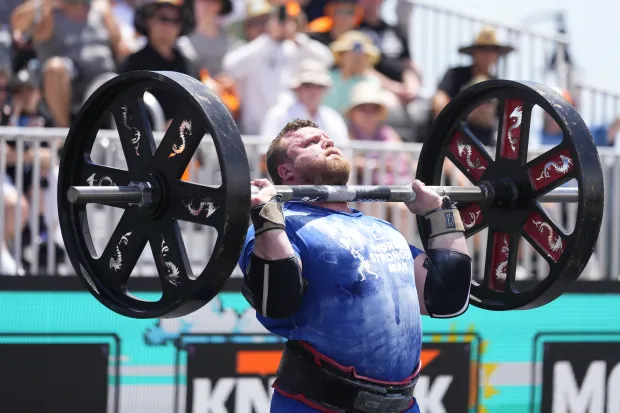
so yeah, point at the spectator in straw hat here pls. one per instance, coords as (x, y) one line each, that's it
(309, 85)
(485, 51)
(354, 55)
(366, 115)
(264, 67)
(254, 22)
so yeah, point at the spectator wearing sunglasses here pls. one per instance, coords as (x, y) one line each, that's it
(162, 22)
(340, 17)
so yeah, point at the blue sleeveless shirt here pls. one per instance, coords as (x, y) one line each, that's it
(361, 306)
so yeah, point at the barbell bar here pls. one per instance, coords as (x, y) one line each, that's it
(134, 194)
(506, 197)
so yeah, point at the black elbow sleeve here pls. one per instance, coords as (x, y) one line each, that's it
(447, 285)
(273, 288)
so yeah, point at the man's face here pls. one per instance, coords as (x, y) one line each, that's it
(485, 58)
(165, 24)
(313, 160)
(344, 15)
(255, 26)
(373, 5)
(310, 95)
(207, 7)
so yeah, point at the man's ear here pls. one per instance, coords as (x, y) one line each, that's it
(285, 171)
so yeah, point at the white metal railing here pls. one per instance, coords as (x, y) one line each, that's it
(102, 220)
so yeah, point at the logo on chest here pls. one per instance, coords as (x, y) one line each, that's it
(376, 255)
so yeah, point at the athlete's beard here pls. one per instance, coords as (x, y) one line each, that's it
(334, 171)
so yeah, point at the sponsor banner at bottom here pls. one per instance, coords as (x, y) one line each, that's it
(581, 376)
(230, 377)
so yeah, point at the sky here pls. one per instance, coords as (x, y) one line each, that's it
(593, 28)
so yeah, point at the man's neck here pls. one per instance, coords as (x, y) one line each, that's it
(335, 32)
(164, 50)
(336, 206)
(76, 11)
(312, 111)
(479, 71)
(209, 27)
(371, 17)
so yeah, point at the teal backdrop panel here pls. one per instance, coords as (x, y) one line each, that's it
(506, 360)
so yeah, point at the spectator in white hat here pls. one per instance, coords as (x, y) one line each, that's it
(366, 114)
(309, 86)
(264, 67)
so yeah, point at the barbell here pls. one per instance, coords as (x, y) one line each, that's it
(505, 198)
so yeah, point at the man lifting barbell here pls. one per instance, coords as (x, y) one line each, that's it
(345, 288)
(321, 274)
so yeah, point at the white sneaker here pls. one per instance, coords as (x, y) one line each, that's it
(8, 265)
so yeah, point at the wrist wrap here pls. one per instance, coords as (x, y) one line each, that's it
(268, 216)
(444, 220)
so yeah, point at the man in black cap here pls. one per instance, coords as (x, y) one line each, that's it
(162, 22)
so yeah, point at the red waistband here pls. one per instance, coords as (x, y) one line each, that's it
(312, 404)
(318, 357)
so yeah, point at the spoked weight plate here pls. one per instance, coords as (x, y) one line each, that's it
(516, 184)
(225, 208)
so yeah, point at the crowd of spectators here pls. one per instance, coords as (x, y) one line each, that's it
(336, 62)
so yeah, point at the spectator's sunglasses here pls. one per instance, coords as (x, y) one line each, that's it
(368, 108)
(312, 86)
(344, 10)
(166, 19)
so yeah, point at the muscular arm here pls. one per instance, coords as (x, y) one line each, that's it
(35, 17)
(454, 242)
(443, 273)
(121, 51)
(272, 281)
(440, 100)
(274, 245)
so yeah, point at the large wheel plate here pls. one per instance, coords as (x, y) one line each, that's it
(576, 157)
(225, 208)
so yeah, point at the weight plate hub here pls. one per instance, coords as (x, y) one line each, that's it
(518, 183)
(225, 208)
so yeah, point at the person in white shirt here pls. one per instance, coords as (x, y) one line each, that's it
(309, 86)
(264, 67)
